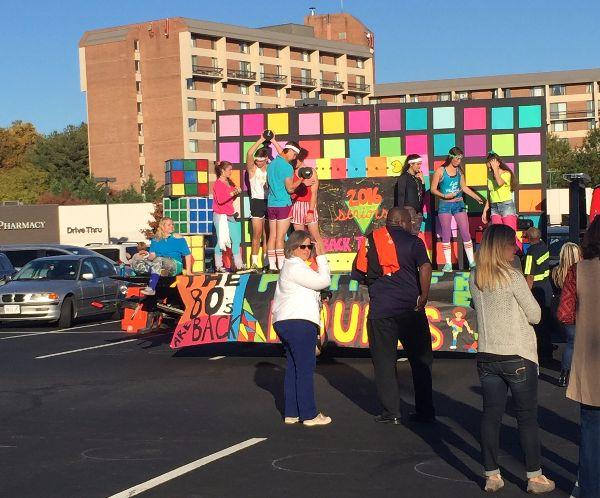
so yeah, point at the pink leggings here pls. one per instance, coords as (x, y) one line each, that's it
(510, 221)
(462, 222)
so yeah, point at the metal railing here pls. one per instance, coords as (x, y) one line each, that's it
(361, 87)
(301, 81)
(273, 78)
(215, 72)
(239, 74)
(338, 85)
(583, 114)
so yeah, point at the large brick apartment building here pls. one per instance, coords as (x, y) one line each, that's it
(153, 88)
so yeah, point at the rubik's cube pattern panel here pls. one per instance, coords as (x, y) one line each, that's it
(196, 245)
(191, 215)
(177, 210)
(354, 142)
(186, 177)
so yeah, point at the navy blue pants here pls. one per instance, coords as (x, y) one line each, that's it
(589, 452)
(299, 338)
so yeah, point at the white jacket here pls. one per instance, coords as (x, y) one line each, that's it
(296, 295)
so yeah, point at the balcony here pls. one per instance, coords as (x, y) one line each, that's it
(239, 74)
(332, 84)
(275, 79)
(208, 72)
(304, 82)
(562, 115)
(359, 87)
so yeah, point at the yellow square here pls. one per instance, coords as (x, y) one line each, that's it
(323, 167)
(177, 189)
(198, 266)
(333, 122)
(278, 123)
(202, 176)
(340, 261)
(476, 175)
(198, 252)
(394, 165)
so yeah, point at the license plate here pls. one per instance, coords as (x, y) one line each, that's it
(12, 309)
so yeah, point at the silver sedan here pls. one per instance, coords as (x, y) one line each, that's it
(60, 289)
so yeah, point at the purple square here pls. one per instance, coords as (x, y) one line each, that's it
(229, 126)
(475, 145)
(475, 118)
(389, 119)
(253, 124)
(416, 144)
(229, 151)
(529, 144)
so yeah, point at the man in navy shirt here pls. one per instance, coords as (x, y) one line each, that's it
(397, 270)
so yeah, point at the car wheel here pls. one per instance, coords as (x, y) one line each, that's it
(66, 313)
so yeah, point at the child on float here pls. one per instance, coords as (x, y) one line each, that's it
(448, 183)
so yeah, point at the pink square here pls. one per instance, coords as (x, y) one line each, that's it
(416, 144)
(511, 166)
(475, 118)
(229, 126)
(359, 121)
(389, 119)
(229, 151)
(253, 124)
(475, 145)
(309, 124)
(529, 144)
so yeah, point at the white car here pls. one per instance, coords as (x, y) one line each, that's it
(119, 253)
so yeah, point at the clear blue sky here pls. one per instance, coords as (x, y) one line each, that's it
(415, 40)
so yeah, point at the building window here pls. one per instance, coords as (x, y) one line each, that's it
(305, 56)
(591, 124)
(537, 91)
(244, 89)
(245, 66)
(136, 45)
(558, 110)
(359, 99)
(277, 92)
(189, 83)
(261, 50)
(342, 35)
(213, 126)
(414, 98)
(375, 101)
(137, 66)
(139, 107)
(192, 124)
(138, 87)
(462, 95)
(589, 107)
(277, 106)
(141, 149)
(589, 88)
(140, 129)
(444, 97)
(360, 63)
(213, 105)
(559, 126)
(303, 94)
(244, 48)
(244, 105)
(257, 90)
(193, 145)
(402, 99)
(191, 104)
(259, 105)
(213, 86)
(557, 90)
(507, 93)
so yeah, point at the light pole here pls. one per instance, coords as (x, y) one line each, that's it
(106, 180)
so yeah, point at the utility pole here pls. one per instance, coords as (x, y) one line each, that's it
(106, 180)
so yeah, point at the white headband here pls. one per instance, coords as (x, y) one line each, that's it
(292, 147)
(260, 159)
(413, 161)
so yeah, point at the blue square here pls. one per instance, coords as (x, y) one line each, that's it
(202, 216)
(202, 202)
(193, 227)
(502, 118)
(442, 143)
(360, 148)
(177, 165)
(193, 215)
(193, 203)
(357, 167)
(205, 228)
(210, 204)
(416, 119)
(190, 176)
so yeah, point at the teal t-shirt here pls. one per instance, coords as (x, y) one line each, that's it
(171, 247)
(277, 171)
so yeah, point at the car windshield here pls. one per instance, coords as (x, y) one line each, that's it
(49, 269)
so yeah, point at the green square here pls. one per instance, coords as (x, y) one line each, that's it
(502, 119)
(166, 204)
(530, 116)
(182, 203)
(246, 147)
(442, 143)
(416, 119)
(443, 117)
(247, 234)
(189, 165)
(181, 227)
(183, 216)
(390, 146)
(190, 188)
(472, 205)
(174, 215)
(504, 144)
(334, 149)
(530, 173)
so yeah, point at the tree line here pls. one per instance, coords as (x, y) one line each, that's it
(54, 169)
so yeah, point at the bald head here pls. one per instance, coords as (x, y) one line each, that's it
(399, 217)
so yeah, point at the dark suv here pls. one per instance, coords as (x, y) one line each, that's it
(6, 267)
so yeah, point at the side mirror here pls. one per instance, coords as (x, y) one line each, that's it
(87, 276)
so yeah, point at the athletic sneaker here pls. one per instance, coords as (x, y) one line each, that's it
(256, 269)
(447, 268)
(244, 269)
(291, 420)
(148, 291)
(320, 419)
(221, 270)
(472, 265)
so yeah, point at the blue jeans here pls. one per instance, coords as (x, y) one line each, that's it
(503, 209)
(521, 377)
(299, 339)
(567, 356)
(589, 452)
(451, 207)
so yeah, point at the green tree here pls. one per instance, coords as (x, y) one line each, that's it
(24, 183)
(564, 159)
(560, 159)
(157, 215)
(15, 142)
(151, 191)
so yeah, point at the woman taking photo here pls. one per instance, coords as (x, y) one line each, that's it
(296, 320)
(507, 354)
(579, 305)
(570, 254)
(410, 189)
(228, 228)
(448, 183)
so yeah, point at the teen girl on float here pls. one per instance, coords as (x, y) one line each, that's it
(228, 228)
(448, 183)
(256, 166)
(410, 189)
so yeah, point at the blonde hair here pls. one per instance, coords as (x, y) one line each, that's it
(570, 253)
(492, 269)
(160, 230)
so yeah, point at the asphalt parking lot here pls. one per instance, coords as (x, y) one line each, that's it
(91, 412)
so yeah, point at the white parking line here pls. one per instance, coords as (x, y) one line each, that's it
(217, 358)
(179, 471)
(27, 334)
(86, 349)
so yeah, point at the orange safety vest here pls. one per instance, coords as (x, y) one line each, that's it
(386, 252)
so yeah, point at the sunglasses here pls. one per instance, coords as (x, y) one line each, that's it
(306, 246)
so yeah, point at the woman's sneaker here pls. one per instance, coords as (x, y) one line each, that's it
(221, 269)
(291, 420)
(320, 419)
(447, 268)
(148, 291)
(540, 484)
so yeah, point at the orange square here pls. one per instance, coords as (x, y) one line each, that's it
(376, 166)
(437, 164)
(530, 201)
(439, 256)
(236, 177)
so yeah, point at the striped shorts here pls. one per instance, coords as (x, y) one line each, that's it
(299, 210)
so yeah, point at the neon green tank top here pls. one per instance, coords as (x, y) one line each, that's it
(499, 194)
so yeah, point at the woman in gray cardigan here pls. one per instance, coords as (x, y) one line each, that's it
(507, 354)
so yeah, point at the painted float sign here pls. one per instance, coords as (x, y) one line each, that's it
(237, 308)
